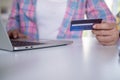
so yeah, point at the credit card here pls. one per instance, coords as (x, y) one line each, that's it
(79, 25)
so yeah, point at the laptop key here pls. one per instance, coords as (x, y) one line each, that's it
(24, 43)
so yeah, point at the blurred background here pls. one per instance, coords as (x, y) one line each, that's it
(5, 8)
(114, 5)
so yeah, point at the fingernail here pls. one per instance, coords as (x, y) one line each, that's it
(94, 26)
(15, 36)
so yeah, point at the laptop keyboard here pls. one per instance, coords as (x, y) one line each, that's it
(24, 43)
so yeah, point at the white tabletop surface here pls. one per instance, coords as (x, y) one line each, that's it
(85, 59)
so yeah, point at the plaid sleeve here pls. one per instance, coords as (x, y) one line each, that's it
(98, 9)
(13, 21)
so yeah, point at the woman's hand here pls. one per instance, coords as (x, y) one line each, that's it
(15, 34)
(106, 33)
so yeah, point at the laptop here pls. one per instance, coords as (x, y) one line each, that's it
(19, 44)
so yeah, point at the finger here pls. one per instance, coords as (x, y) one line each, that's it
(108, 44)
(104, 26)
(105, 39)
(10, 34)
(103, 32)
(22, 36)
(15, 34)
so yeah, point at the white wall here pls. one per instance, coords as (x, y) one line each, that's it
(5, 4)
(114, 6)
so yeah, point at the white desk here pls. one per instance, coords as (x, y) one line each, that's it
(85, 59)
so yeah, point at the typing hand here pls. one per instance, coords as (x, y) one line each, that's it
(15, 34)
(106, 33)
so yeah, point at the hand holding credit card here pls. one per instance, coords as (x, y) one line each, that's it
(79, 25)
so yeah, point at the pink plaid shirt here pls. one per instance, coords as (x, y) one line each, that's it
(23, 16)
